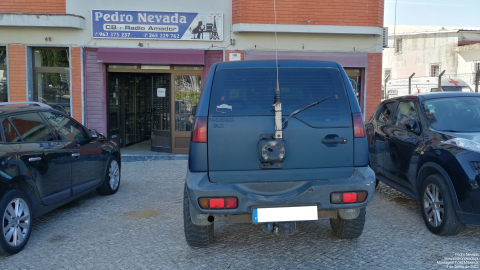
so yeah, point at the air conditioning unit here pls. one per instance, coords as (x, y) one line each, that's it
(385, 37)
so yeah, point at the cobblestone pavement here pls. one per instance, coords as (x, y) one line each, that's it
(141, 227)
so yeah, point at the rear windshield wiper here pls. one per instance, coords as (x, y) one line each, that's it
(303, 109)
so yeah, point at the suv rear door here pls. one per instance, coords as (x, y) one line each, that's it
(241, 113)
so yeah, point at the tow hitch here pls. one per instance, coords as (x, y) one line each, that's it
(282, 228)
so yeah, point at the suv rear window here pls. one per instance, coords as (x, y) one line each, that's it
(238, 92)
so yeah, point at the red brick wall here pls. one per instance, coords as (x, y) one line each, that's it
(227, 55)
(76, 69)
(211, 57)
(33, 6)
(374, 84)
(17, 71)
(320, 12)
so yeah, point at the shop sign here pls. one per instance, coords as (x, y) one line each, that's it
(157, 25)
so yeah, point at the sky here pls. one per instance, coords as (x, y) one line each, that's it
(433, 12)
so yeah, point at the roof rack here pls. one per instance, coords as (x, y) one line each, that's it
(40, 104)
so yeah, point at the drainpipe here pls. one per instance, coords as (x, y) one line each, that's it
(477, 76)
(440, 81)
(385, 88)
(410, 83)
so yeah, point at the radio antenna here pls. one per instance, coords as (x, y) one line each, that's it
(278, 103)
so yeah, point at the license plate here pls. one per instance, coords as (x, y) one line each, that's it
(284, 214)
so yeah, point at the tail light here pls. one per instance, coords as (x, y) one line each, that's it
(348, 197)
(199, 133)
(358, 126)
(218, 203)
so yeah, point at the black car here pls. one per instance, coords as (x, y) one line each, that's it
(272, 155)
(428, 147)
(47, 159)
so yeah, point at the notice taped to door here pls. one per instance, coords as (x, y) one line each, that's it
(161, 92)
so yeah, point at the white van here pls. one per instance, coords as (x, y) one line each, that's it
(399, 87)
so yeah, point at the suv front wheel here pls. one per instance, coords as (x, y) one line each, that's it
(348, 228)
(196, 236)
(437, 207)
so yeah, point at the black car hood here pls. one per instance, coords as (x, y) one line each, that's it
(473, 136)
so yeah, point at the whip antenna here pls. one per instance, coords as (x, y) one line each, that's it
(278, 103)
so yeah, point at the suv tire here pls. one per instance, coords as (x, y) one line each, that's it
(13, 219)
(111, 181)
(196, 236)
(348, 228)
(434, 187)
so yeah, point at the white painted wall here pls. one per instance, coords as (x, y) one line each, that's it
(421, 50)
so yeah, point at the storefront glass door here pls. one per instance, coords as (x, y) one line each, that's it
(161, 120)
(187, 94)
(129, 107)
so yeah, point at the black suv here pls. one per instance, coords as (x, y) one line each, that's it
(275, 152)
(428, 147)
(46, 160)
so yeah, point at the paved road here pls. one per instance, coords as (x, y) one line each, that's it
(141, 227)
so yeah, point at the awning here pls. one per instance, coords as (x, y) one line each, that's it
(150, 56)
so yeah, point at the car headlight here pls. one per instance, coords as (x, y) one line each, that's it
(465, 144)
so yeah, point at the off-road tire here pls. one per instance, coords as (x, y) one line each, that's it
(106, 188)
(5, 248)
(196, 236)
(348, 228)
(450, 224)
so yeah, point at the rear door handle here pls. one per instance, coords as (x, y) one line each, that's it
(75, 154)
(334, 141)
(32, 159)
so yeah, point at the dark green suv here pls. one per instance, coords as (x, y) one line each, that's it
(274, 152)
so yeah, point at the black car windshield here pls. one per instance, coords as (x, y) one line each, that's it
(454, 114)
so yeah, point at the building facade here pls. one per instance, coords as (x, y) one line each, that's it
(134, 71)
(427, 51)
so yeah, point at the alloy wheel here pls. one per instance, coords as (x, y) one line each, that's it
(16, 222)
(433, 205)
(114, 175)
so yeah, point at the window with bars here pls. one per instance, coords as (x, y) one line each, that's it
(434, 70)
(399, 45)
(476, 66)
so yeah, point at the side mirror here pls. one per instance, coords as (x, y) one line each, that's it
(194, 110)
(413, 126)
(93, 133)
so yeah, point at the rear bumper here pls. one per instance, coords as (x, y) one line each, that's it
(252, 195)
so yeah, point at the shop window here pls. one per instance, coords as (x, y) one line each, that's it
(354, 75)
(52, 76)
(3, 75)
(187, 93)
(434, 69)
